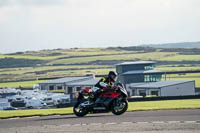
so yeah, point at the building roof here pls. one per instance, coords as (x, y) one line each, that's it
(65, 80)
(136, 84)
(89, 82)
(136, 62)
(141, 72)
(157, 85)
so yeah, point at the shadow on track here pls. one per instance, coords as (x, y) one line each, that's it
(75, 117)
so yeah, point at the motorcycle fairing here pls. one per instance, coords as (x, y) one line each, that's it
(123, 90)
(110, 94)
(104, 101)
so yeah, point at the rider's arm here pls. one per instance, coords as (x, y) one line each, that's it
(102, 82)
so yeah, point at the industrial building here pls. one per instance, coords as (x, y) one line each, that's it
(162, 88)
(136, 72)
(140, 79)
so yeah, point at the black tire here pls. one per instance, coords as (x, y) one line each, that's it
(121, 111)
(82, 112)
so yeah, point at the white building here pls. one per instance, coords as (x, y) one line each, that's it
(70, 85)
(162, 88)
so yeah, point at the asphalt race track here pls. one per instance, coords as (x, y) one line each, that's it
(165, 121)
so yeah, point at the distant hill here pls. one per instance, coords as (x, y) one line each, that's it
(31, 65)
(175, 45)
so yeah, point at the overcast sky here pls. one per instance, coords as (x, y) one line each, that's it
(48, 24)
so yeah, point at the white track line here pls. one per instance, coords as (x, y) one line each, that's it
(95, 124)
(14, 118)
(76, 125)
(190, 122)
(157, 122)
(174, 122)
(126, 122)
(110, 123)
(142, 122)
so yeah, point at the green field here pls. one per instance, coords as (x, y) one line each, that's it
(182, 58)
(178, 67)
(24, 84)
(133, 106)
(143, 56)
(79, 62)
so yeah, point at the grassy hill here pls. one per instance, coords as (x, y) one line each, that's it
(32, 65)
(176, 45)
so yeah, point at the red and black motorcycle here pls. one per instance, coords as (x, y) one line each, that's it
(114, 100)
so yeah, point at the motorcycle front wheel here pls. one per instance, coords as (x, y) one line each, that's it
(119, 109)
(79, 111)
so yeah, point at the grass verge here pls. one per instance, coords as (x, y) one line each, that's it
(133, 106)
(34, 112)
(165, 104)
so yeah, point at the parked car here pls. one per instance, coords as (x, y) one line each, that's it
(34, 103)
(17, 101)
(62, 102)
(10, 108)
(6, 106)
(48, 101)
(53, 99)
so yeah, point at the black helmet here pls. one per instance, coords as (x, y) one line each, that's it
(112, 75)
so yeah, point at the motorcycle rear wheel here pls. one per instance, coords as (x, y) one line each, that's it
(117, 111)
(79, 112)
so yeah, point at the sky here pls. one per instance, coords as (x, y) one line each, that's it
(49, 24)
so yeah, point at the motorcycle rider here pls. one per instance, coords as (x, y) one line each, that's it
(105, 82)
